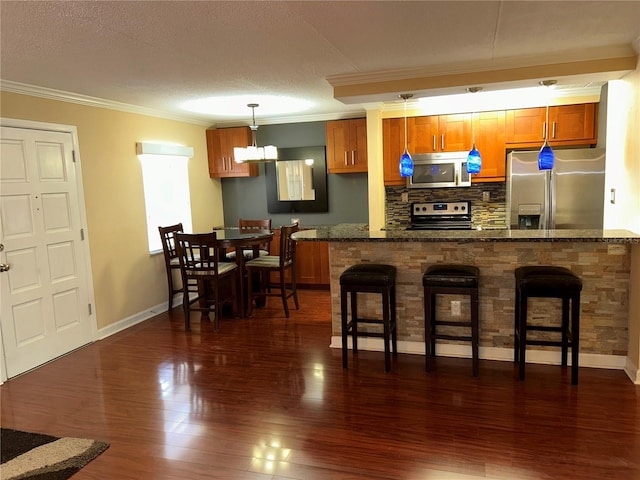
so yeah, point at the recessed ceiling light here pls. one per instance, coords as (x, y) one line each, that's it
(237, 105)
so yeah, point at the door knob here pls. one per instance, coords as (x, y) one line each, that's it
(4, 267)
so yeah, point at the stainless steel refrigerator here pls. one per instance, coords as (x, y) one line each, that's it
(569, 196)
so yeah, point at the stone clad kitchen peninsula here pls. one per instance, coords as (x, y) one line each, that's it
(605, 260)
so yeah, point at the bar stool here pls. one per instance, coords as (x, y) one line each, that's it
(548, 282)
(369, 278)
(450, 279)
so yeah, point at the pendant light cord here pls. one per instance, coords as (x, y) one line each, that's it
(253, 127)
(405, 97)
(406, 147)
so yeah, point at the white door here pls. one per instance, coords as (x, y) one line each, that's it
(44, 302)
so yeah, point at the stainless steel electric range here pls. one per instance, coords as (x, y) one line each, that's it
(440, 216)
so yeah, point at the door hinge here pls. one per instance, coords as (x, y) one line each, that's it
(89, 309)
(82, 234)
(73, 156)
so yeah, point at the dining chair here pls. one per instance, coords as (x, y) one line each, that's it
(264, 265)
(171, 260)
(203, 274)
(252, 226)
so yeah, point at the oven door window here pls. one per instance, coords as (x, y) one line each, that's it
(434, 173)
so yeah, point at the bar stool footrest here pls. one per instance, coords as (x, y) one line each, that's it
(543, 328)
(442, 336)
(452, 324)
(547, 343)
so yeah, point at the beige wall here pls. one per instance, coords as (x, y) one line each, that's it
(632, 172)
(127, 280)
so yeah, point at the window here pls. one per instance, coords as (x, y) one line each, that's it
(166, 194)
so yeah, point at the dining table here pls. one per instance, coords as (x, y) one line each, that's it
(233, 238)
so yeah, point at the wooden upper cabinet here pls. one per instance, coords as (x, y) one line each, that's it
(573, 122)
(525, 125)
(489, 134)
(393, 148)
(347, 145)
(220, 145)
(442, 133)
(568, 125)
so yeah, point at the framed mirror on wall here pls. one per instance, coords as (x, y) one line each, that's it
(297, 182)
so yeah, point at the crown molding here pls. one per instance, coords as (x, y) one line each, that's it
(70, 97)
(63, 96)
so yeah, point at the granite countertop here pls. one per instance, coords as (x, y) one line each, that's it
(350, 232)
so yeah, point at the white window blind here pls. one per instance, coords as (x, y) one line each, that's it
(166, 194)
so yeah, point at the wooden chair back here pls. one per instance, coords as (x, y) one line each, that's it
(167, 234)
(256, 225)
(287, 245)
(202, 273)
(171, 261)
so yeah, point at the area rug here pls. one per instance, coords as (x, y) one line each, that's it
(36, 456)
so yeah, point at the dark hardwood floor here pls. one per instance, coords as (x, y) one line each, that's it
(266, 398)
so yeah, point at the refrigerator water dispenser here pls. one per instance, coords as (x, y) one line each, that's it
(529, 216)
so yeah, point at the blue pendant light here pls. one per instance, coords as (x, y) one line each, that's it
(474, 160)
(546, 157)
(406, 162)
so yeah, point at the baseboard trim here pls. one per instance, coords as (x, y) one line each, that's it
(549, 357)
(632, 371)
(137, 318)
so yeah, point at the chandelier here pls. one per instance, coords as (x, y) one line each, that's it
(253, 153)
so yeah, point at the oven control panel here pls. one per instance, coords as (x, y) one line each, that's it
(441, 208)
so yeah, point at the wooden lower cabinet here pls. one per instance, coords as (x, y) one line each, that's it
(312, 262)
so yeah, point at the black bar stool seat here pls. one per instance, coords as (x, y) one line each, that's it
(450, 279)
(548, 282)
(369, 278)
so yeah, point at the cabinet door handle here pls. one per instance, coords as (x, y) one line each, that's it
(346, 162)
(553, 130)
(442, 141)
(435, 147)
(353, 157)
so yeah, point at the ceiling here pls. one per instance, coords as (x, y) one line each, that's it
(156, 55)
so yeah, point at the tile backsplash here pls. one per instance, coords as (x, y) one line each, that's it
(485, 214)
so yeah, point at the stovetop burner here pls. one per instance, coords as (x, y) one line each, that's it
(440, 216)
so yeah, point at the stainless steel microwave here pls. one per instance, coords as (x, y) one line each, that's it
(439, 170)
